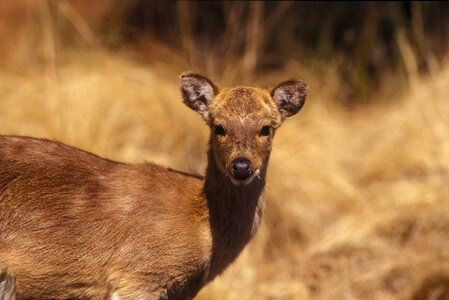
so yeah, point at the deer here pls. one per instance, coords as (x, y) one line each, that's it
(74, 225)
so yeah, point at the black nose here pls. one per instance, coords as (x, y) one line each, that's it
(241, 168)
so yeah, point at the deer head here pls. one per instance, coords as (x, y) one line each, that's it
(243, 121)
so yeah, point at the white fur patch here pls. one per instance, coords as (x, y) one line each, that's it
(205, 90)
(208, 92)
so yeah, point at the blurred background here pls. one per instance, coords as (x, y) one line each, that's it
(357, 194)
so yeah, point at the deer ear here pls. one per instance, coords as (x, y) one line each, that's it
(289, 97)
(198, 92)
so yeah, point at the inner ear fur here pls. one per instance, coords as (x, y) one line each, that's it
(198, 92)
(289, 97)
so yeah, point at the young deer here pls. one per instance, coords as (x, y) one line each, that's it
(74, 225)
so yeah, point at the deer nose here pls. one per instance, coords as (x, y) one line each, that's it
(241, 168)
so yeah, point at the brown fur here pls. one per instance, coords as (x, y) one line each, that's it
(75, 225)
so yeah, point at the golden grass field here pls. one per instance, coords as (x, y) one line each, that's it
(357, 199)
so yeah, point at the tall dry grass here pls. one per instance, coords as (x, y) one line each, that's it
(357, 200)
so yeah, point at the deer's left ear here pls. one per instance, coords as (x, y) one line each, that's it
(198, 92)
(289, 97)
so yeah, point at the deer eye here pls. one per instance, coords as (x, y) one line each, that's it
(265, 130)
(219, 130)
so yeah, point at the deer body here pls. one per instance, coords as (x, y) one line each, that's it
(75, 225)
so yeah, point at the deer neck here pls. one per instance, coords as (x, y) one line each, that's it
(234, 214)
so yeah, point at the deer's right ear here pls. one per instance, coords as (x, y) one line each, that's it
(198, 92)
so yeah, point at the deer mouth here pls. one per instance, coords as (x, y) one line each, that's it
(244, 180)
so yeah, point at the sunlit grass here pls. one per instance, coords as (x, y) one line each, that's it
(357, 201)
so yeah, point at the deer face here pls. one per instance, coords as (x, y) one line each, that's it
(242, 120)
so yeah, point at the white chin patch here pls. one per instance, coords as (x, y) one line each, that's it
(247, 181)
(114, 297)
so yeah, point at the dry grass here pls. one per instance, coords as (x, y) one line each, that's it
(357, 201)
(358, 205)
